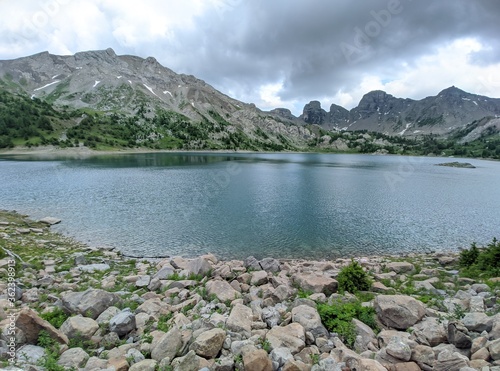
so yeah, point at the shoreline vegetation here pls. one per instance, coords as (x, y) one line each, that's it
(83, 152)
(82, 308)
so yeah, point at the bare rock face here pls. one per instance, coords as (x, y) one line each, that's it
(398, 311)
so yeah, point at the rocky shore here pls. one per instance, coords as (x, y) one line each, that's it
(79, 308)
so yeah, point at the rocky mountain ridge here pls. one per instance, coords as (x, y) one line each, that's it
(103, 82)
(452, 109)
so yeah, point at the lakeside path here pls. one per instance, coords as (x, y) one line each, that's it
(64, 305)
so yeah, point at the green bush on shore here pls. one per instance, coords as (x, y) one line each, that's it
(481, 262)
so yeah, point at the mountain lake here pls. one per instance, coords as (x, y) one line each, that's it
(282, 205)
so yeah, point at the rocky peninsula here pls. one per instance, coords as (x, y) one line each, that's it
(73, 307)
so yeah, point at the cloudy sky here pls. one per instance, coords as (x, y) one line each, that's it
(279, 53)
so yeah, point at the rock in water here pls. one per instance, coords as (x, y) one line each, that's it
(50, 220)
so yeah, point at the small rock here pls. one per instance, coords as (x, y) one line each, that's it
(281, 356)
(50, 220)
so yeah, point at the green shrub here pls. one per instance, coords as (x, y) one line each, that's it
(469, 257)
(56, 318)
(481, 262)
(163, 322)
(49, 361)
(353, 278)
(338, 318)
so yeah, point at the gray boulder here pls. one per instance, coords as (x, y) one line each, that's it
(458, 335)
(270, 265)
(477, 322)
(90, 303)
(494, 349)
(399, 349)
(31, 354)
(430, 331)
(73, 358)
(316, 283)
(240, 320)
(198, 266)
(209, 343)
(252, 263)
(309, 319)
(79, 326)
(144, 365)
(448, 361)
(168, 345)
(222, 290)
(123, 322)
(398, 311)
(292, 337)
(165, 272)
(401, 267)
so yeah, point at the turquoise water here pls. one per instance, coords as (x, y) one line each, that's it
(282, 205)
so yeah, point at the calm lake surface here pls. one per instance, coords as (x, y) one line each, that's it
(280, 205)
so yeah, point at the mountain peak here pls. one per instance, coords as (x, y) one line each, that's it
(452, 90)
